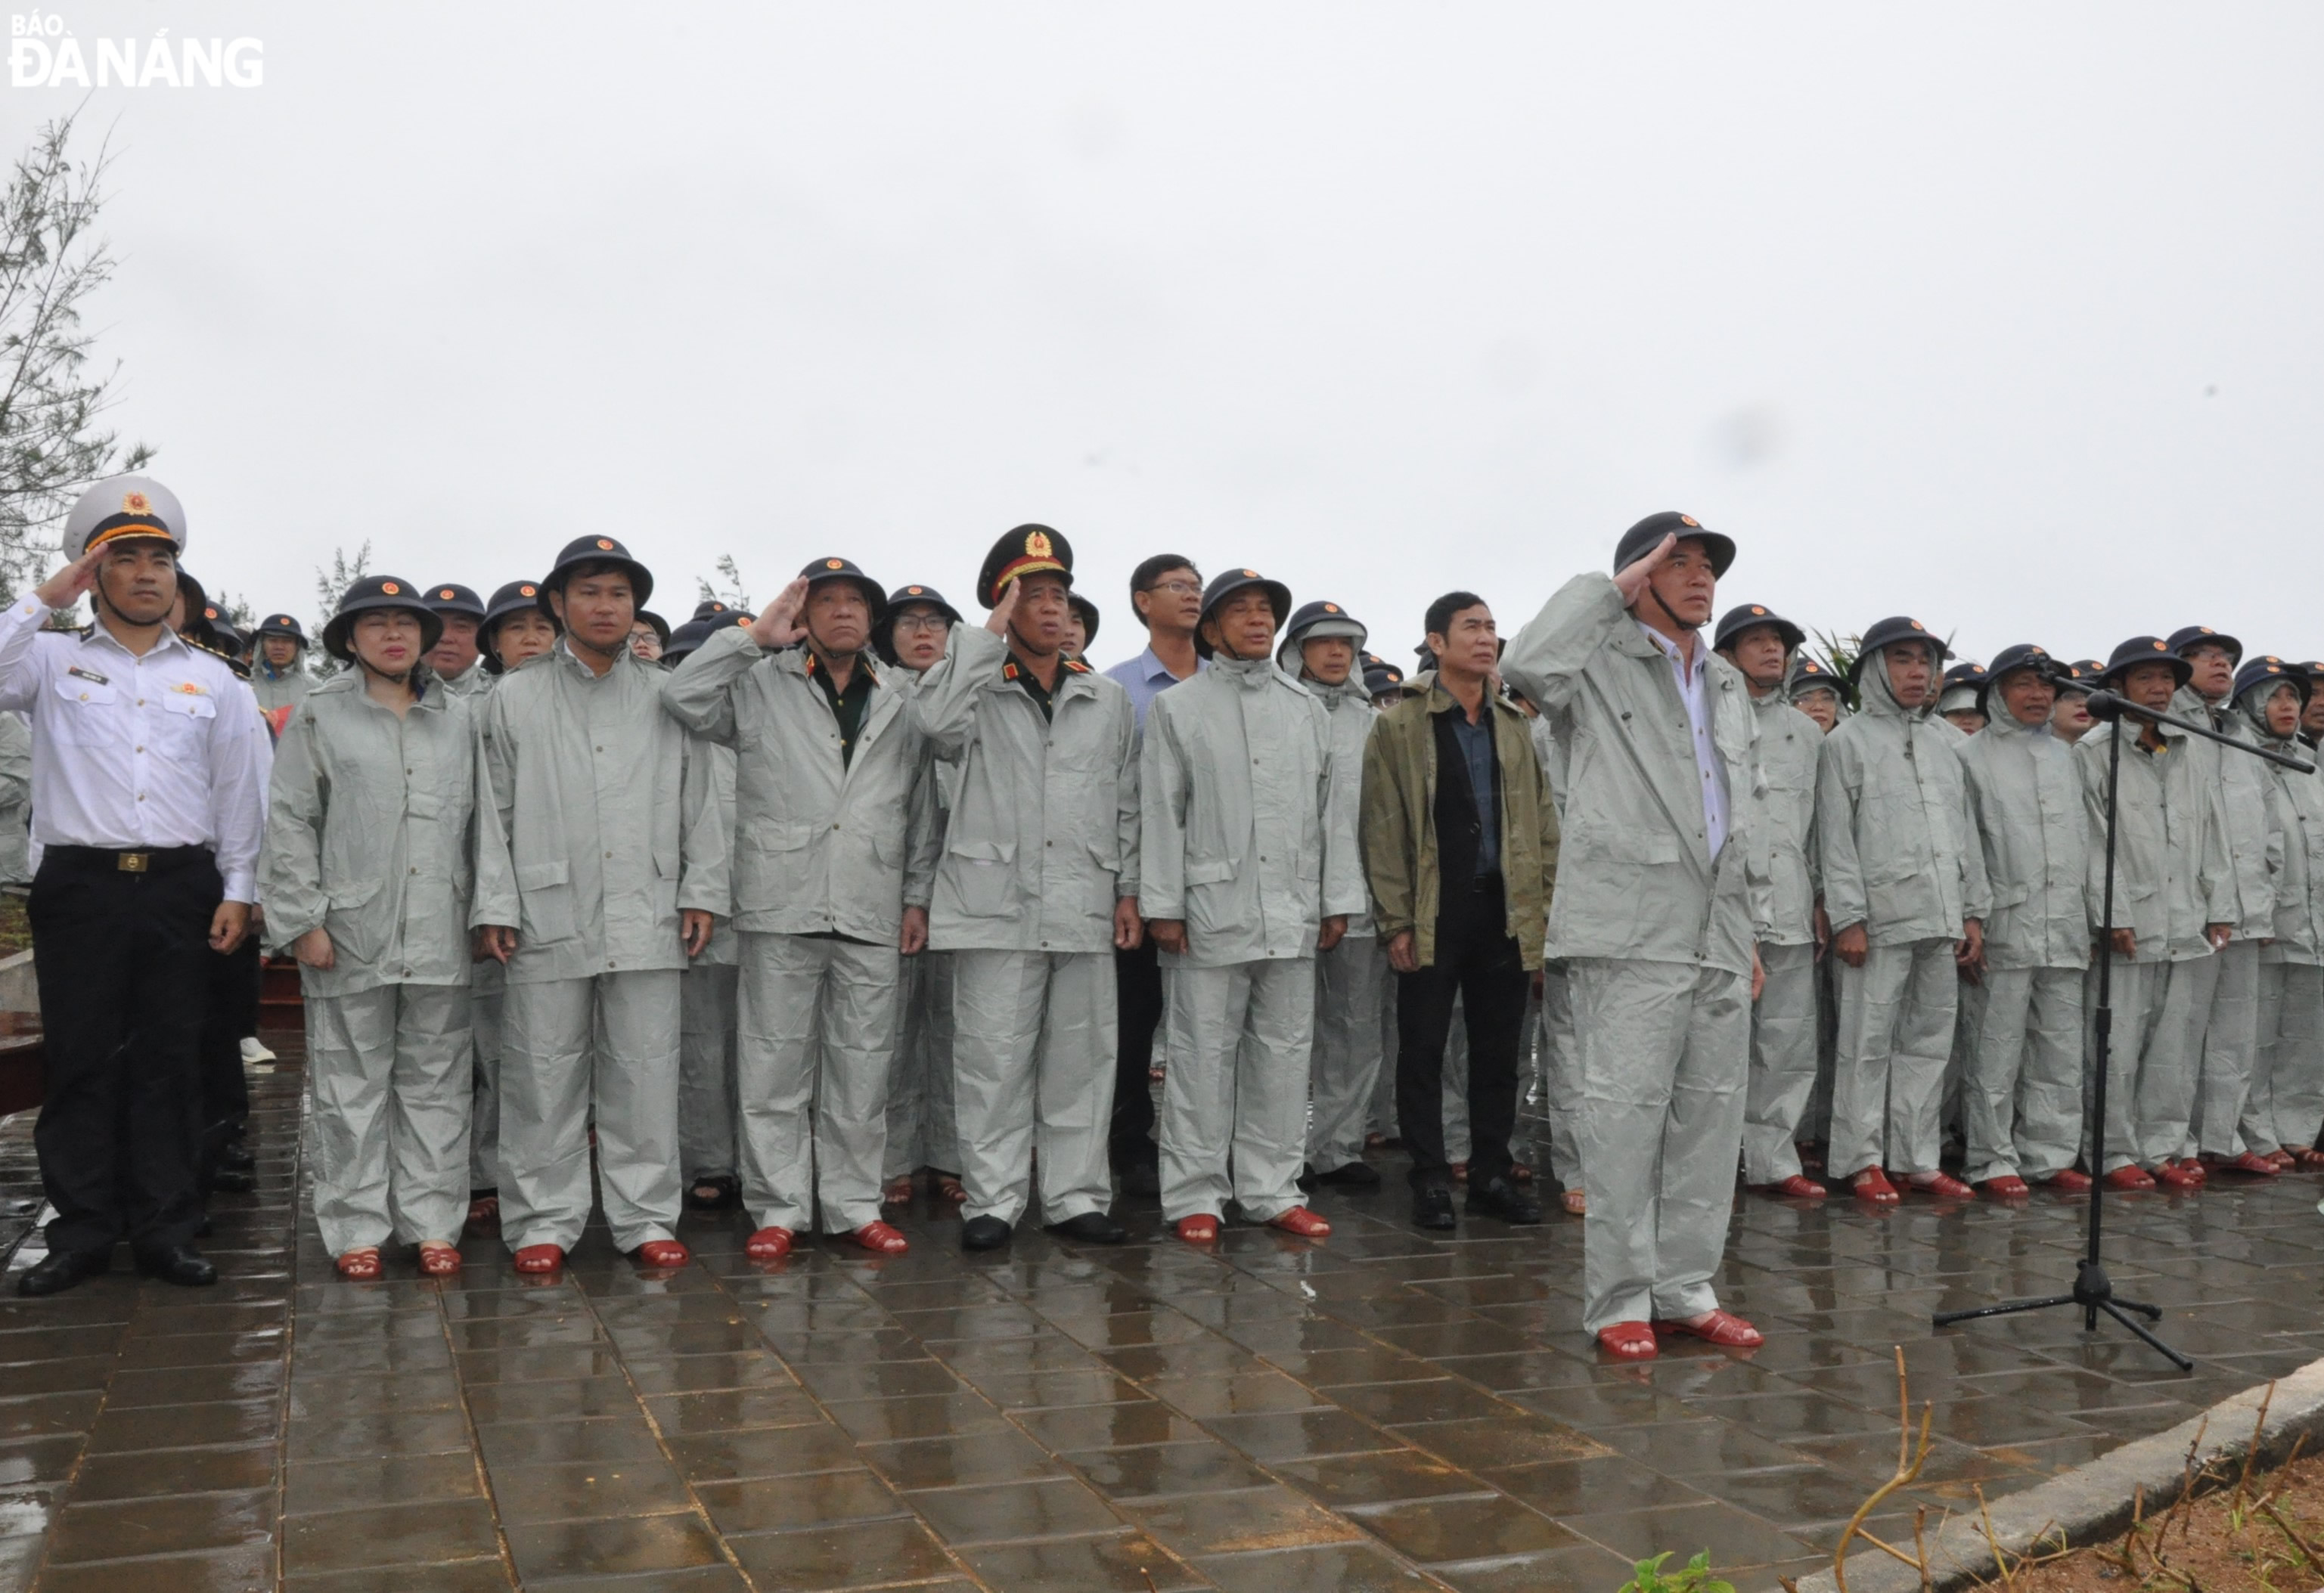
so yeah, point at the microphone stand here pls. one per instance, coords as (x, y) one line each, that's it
(2093, 1291)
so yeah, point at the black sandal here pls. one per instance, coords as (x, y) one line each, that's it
(727, 1196)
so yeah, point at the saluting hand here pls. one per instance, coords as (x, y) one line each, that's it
(777, 623)
(1631, 579)
(1004, 611)
(62, 589)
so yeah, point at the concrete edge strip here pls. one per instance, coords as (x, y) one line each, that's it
(2091, 1504)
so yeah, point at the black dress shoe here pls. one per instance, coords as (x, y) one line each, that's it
(1509, 1201)
(1091, 1227)
(984, 1233)
(1433, 1209)
(62, 1269)
(234, 1181)
(1354, 1175)
(236, 1155)
(178, 1264)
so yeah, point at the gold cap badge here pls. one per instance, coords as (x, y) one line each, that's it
(1036, 545)
(605, 544)
(390, 588)
(135, 503)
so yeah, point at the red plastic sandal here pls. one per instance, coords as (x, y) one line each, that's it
(2069, 1181)
(2007, 1187)
(1720, 1327)
(662, 1253)
(1198, 1230)
(2129, 1175)
(359, 1265)
(1799, 1187)
(881, 1239)
(2171, 1176)
(1944, 1185)
(1629, 1341)
(541, 1258)
(2258, 1167)
(437, 1259)
(1300, 1220)
(769, 1244)
(1872, 1186)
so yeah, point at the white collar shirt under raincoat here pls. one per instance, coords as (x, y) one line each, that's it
(1637, 877)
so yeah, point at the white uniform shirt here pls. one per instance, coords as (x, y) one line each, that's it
(132, 754)
(1694, 691)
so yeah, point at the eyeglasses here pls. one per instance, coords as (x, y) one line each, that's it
(921, 622)
(1179, 588)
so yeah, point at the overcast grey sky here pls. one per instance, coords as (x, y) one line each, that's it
(2004, 316)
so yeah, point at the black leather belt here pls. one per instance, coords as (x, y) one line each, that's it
(156, 859)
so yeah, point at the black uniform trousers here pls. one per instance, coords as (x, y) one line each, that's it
(230, 1013)
(124, 967)
(1137, 984)
(1477, 959)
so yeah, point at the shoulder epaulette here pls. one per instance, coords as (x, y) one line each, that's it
(240, 669)
(1078, 668)
(1009, 670)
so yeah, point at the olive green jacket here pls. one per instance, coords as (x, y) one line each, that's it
(1399, 825)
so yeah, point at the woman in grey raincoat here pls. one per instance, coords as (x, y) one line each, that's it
(366, 874)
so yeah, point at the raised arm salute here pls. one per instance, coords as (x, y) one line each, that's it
(149, 771)
(1653, 914)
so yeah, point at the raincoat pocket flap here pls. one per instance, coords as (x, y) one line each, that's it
(1209, 870)
(983, 852)
(541, 876)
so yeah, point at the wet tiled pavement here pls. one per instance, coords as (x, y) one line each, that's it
(1384, 1410)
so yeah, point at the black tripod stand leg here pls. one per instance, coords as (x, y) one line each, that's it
(1945, 1319)
(2152, 1313)
(2157, 1345)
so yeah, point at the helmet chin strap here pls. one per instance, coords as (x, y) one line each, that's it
(403, 680)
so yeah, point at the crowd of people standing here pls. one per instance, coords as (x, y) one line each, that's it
(788, 911)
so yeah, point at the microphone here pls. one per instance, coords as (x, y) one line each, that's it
(2109, 705)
